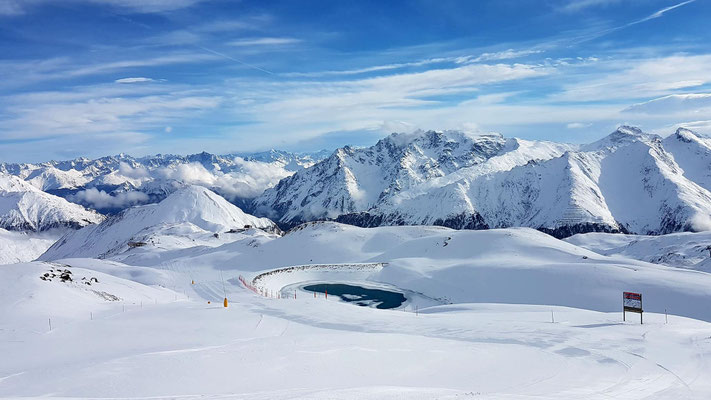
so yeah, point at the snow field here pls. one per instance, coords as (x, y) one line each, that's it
(162, 339)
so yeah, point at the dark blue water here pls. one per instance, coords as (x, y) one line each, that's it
(365, 297)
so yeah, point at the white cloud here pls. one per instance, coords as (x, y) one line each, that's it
(148, 6)
(131, 172)
(577, 125)
(307, 109)
(625, 79)
(375, 68)
(495, 56)
(661, 12)
(18, 7)
(264, 41)
(100, 199)
(689, 103)
(63, 68)
(578, 5)
(41, 115)
(252, 178)
(701, 222)
(134, 80)
(502, 55)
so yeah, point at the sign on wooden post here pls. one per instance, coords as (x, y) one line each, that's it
(632, 302)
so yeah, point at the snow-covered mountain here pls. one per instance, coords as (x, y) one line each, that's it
(23, 207)
(110, 184)
(629, 181)
(190, 212)
(357, 180)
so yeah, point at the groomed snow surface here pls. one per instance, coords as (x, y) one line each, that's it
(499, 314)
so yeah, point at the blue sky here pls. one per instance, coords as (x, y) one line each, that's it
(97, 77)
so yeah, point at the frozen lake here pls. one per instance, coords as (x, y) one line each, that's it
(366, 297)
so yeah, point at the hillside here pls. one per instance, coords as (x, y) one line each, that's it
(191, 212)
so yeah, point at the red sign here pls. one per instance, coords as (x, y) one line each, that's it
(634, 296)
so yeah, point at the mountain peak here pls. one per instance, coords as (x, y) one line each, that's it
(686, 135)
(628, 130)
(623, 135)
(191, 208)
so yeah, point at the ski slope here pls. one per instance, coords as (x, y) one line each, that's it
(497, 314)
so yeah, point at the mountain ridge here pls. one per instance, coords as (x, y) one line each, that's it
(626, 182)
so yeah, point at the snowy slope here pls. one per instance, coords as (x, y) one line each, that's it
(625, 182)
(24, 207)
(128, 336)
(189, 213)
(693, 154)
(683, 250)
(515, 265)
(18, 247)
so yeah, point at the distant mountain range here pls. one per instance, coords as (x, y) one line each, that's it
(110, 184)
(629, 181)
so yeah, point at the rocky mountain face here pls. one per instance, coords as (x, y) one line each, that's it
(629, 181)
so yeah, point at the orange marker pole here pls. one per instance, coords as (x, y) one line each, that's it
(326, 292)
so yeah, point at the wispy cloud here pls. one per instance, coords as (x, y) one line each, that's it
(375, 68)
(264, 41)
(687, 103)
(63, 68)
(19, 7)
(467, 59)
(660, 13)
(99, 110)
(578, 5)
(135, 80)
(502, 55)
(630, 79)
